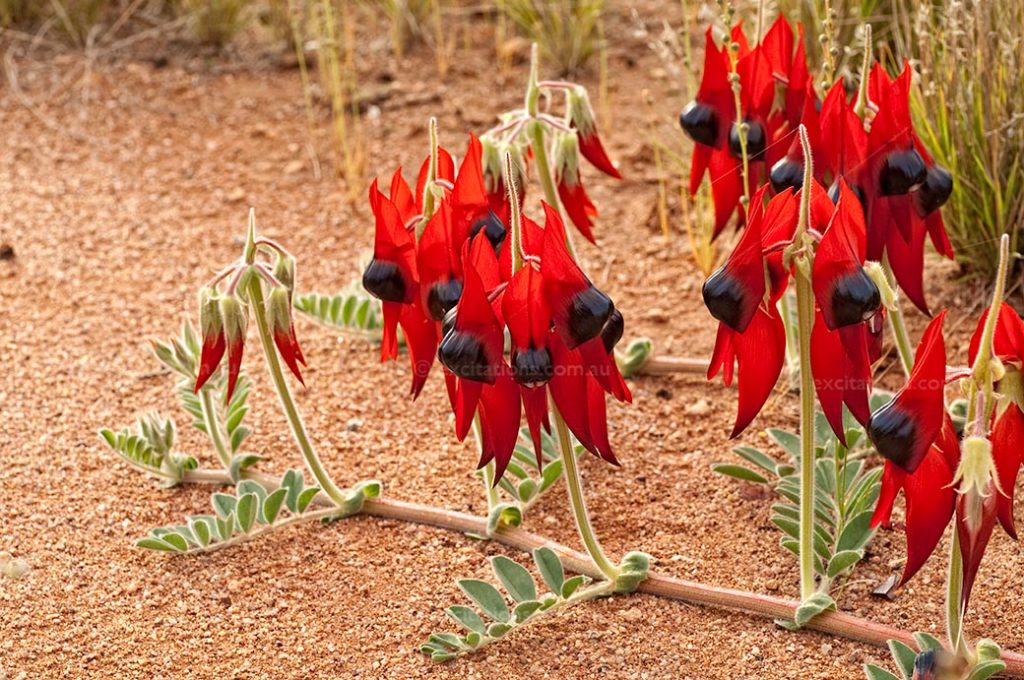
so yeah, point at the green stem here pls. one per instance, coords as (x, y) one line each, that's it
(312, 461)
(213, 427)
(579, 505)
(899, 327)
(488, 472)
(805, 321)
(954, 590)
(792, 338)
(803, 264)
(428, 186)
(540, 154)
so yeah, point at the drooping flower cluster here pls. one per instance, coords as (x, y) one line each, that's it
(743, 293)
(941, 473)
(871, 144)
(223, 315)
(453, 291)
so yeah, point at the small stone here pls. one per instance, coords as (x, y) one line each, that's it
(353, 424)
(698, 408)
(6, 251)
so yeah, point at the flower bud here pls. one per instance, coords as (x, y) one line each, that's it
(977, 468)
(885, 290)
(284, 271)
(210, 321)
(988, 650)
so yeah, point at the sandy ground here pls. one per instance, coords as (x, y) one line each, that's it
(119, 200)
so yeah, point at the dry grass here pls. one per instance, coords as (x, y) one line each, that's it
(969, 110)
(568, 31)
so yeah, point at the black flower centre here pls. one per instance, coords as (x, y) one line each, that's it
(901, 172)
(855, 298)
(532, 367)
(442, 297)
(383, 280)
(589, 309)
(465, 356)
(700, 123)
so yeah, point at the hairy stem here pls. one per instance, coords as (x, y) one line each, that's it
(579, 506)
(805, 321)
(213, 426)
(899, 327)
(312, 461)
(660, 585)
(804, 260)
(490, 490)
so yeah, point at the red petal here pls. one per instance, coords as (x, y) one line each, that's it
(469, 185)
(930, 499)
(535, 406)
(420, 333)
(389, 332)
(840, 253)
(974, 538)
(726, 187)
(525, 310)
(742, 274)
(569, 391)
(907, 260)
(920, 402)
(402, 197)
(578, 205)
(1007, 450)
(593, 151)
(499, 420)
(283, 340)
(445, 171)
(597, 418)
(210, 358)
(392, 241)
(760, 353)
(235, 349)
(1008, 338)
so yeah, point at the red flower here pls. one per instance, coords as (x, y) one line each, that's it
(279, 316)
(551, 310)
(710, 120)
(577, 203)
(223, 324)
(847, 298)
(1007, 433)
(905, 428)
(582, 120)
(929, 497)
(751, 332)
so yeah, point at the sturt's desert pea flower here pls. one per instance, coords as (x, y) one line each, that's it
(226, 335)
(904, 429)
(921, 450)
(581, 118)
(211, 326)
(577, 203)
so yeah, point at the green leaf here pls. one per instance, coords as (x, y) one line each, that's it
(525, 610)
(904, 657)
(176, 540)
(442, 657)
(788, 526)
(466, 617)
(447, 640)
(986, 669)
(293, 481)
(875, 673)
(515, 578)
(756, 457)
(739, 472)
(241, 462)
(926, 641)
(811, 607)
(842, 561)
(237, 437)
(201, 530)
(572, 585)
(486, 597)
(248, 504)
(527, 489)
(272, 505)
(552, 471)
(151, 543)
(305, 498)
(223, 504)
(857, 533)
(789, 442)
(504, 514)
(550, 567)
(497, 630)
(226, 526)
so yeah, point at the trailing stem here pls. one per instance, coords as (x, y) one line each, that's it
(660, 585)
